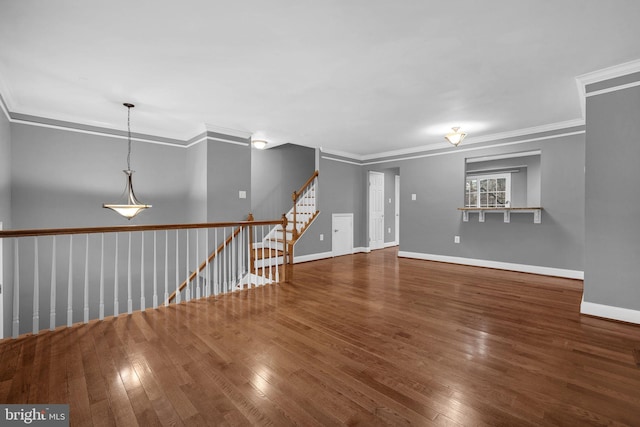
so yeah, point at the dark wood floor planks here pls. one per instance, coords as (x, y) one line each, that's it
(368, 339)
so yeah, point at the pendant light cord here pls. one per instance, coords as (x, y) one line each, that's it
(129, 136)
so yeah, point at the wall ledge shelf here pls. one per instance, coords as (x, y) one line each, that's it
(536, 211)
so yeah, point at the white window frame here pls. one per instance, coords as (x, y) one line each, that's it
(478, 177)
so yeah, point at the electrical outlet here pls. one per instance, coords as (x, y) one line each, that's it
(389, 230)
(321, 237)
(413, 196)
(456, 239)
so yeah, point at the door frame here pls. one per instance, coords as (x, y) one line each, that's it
(397, 208)
(333, 228)
(369, 210)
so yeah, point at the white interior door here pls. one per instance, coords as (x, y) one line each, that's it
(376, 210)
(342, 240)
(397, 217)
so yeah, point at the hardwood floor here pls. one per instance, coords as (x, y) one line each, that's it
(367, 339)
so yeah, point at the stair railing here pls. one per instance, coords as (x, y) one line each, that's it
(85, 272)
(299, 195)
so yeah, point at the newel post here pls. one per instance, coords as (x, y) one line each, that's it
(252, 260)
(294, 232)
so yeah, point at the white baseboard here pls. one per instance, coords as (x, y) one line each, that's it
(524, 268)
(390, 244)
(610, 312)
(322, 255)
(311, 257)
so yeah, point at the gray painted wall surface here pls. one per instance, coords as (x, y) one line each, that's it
(196, 170)
(228, 172)
(342, 191)
(275, 174)
(612, 266)
(5, 211)
(61, 179)
(429, 224)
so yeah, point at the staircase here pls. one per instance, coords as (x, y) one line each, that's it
(269, 252)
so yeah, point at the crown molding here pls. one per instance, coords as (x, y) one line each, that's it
(552, 127)
(601, 75)
(609, 73)
(227, 131)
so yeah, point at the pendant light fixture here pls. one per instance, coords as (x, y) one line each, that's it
(455, 137)
(132, 207)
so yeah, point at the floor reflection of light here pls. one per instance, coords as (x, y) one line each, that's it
(259, 381)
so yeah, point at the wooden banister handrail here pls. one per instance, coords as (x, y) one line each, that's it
(305, 185)
(127, 228)
(205, 263)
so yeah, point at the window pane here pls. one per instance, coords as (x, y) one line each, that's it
(483, 200)
(473, 200)
(500, 198)
(502, 184)
(491, 184)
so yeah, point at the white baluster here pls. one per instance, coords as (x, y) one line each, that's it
(101, 308)
(155, 271)
(264, 270)
(216, 265)
(284, 242)
(52, 298)
(129, 299)
(36, 288)
(166, 268)
(142, 264)
(224, 260)
(16, 289)
(178, 299)
(207, 275)
(270, 249)
(187, 293)
(233, 260)
(86, 281)
(198, 292)
(248, 259)
(116, 308)
(70, 284)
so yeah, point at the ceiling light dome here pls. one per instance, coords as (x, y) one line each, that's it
(455, 137)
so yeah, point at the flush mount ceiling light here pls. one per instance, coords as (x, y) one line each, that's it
(455, 137)
(132, 207)
(258, 142)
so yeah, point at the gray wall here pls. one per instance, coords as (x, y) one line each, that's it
(196, 171)
(612, 236)
(61, 179)
(275, 174)
(5, 211)
(429, 224)
(228, 172)
(342, 187)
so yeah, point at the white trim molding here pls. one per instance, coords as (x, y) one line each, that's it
(523, 268)
(324, 255)
(609, 312)
(390, 244)
(311, 257)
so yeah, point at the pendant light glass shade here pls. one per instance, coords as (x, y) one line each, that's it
(455, 137)
(132, 207)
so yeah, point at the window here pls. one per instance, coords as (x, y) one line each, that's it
(488, 191)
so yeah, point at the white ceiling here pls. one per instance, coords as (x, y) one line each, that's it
(356, 76)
